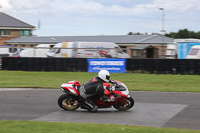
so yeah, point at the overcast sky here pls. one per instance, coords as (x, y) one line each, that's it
(104, 17)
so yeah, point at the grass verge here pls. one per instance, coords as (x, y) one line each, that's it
(138, 82)
(52, 127)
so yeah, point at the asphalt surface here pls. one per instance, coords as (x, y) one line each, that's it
(156, 109)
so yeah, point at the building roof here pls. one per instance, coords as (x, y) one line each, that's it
(119, 39)
(8, 22)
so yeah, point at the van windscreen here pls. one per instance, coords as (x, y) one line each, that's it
(12, 50)
(55, 50)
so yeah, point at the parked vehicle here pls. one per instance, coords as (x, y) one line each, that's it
(33, 53)
(39, 51)
(6, 50)
(71, 100)
(194, 52)
(183, 47)
(171, 51)
(87, 50)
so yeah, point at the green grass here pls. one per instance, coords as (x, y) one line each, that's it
(52, 127)
(139, 82)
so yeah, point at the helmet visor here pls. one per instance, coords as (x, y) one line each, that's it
(107, 77)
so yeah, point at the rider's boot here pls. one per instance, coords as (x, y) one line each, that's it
(90, 106)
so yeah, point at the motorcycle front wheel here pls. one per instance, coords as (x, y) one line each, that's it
(129, 103)
(68, 102)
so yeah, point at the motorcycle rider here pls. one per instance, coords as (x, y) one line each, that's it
(94, 89)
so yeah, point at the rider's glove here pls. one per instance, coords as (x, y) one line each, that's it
(113, 82)
(109, 89)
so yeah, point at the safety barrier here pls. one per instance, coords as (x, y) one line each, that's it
(0, 63)
(160, 66)
(164, 66)
(44, 64)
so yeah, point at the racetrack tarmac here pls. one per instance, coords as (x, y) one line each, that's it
(156, 109)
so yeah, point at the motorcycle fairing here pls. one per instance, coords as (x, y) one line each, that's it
(71, 86)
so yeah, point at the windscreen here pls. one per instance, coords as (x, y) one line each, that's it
(12, 50)
(55, 50)
(118, 50)
(120, 88)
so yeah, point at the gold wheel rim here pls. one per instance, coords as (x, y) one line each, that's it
(70, 103)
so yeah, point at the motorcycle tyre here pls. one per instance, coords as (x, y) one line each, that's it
(67, 97)
(119, 107)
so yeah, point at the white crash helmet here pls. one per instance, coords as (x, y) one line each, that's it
(104, 75)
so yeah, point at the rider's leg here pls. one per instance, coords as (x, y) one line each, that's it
(87, 102)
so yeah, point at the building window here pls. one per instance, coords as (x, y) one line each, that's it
(136, 53)
(24, 33)
(5, 32)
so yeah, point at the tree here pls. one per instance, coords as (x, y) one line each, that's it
(185, 33)
(130, 33)
(137, 33)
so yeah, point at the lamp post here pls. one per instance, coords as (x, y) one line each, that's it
(162, 31)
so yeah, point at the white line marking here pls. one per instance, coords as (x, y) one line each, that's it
(14, 89)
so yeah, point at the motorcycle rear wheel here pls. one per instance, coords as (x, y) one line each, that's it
(129, 103)
(68, 102)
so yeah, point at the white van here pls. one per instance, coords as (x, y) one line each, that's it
(171, 51)
(87, 50)
(194, 52)
(7, 50)
(39, 51)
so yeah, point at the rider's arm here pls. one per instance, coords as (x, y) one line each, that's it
(113, 82)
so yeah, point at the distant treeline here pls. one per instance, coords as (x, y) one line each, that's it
(185, 33)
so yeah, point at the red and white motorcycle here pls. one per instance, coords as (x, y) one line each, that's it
(118, 93)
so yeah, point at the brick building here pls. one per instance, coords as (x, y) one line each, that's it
(11, 28)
